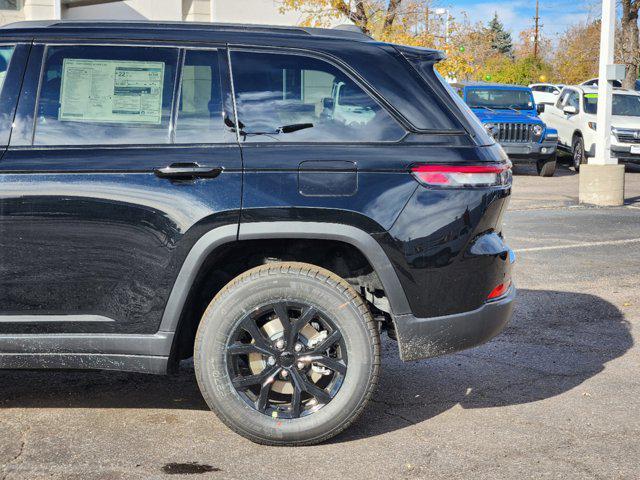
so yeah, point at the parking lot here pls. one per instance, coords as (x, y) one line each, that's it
(555, 396)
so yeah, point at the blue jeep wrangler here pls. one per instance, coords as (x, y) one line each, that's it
(510, 115)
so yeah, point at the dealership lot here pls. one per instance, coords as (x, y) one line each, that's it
(557, 395)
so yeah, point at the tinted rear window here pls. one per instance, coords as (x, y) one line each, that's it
(298, 98)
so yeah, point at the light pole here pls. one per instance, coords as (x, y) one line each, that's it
(602, 179)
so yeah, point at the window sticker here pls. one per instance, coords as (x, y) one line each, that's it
(111, 91)
(591, 95)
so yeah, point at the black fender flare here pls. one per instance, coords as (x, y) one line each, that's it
(220, 236)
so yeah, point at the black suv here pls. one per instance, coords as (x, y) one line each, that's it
(265, 200)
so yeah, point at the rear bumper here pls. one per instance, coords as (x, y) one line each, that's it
(421, 338)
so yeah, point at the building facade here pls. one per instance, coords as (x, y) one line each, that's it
(235, 11)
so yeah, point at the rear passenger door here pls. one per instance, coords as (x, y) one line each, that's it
(119, 160)
(315, 139)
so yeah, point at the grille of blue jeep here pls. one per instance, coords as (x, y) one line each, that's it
(514, 132)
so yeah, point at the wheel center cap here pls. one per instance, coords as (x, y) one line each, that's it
(286, 359)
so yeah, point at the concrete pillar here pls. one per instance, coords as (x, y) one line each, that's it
(602, 179)
(602, 184)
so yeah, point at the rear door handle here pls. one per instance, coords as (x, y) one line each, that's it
(188, 170)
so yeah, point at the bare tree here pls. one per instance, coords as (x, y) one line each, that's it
(372, 16)
(357, 15)
(630, 36)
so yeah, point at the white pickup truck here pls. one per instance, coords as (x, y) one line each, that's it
(574, 116)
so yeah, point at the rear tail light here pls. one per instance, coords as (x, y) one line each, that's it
(499, 291)
(481, 175)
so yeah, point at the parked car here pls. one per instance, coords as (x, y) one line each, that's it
(269, 222)
(616, 83)
(574, 116)
(509, 113)
(545, 93)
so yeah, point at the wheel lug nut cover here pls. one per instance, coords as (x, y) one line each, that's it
(280, 344)
(300, 365)
(271, 361)
(298, 347)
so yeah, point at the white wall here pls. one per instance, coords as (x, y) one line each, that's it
(196, 10)
(38, 9)
(233, 11)
(109, 11)
(253, 11)
(170, 10)
(10, 16)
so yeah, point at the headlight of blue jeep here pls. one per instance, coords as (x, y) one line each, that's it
(491, 129)
(537, 131)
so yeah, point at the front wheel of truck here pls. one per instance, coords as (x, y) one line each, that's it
(546, 168)
(287, 354)
(579, 156)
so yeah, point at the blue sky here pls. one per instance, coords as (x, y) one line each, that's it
(556, 15)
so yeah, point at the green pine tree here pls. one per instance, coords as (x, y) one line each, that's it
(500, 39)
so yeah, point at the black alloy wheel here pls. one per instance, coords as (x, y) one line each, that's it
(304, 358)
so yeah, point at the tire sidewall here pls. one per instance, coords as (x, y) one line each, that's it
(578, 143)
(546, 168)
(220, 321)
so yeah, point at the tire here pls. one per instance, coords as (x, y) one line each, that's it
(546, 168)
(225, 354)
(579, 157)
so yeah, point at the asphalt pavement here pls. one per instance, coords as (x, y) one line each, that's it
(556, 395)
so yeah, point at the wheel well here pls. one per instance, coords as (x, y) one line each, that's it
(229, 261)
(576, 134)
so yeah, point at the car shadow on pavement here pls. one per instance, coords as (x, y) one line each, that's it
(555, 342)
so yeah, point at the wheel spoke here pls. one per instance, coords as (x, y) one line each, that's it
(331, 363)
(247, 348)
(282, 313)
(328, 342)
(296, 400)
(263, 398)
(299, 323)
(321, 395)
(249, 325)
(265, 375)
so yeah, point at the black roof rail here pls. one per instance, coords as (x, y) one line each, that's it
(29, 24)
(151, 24)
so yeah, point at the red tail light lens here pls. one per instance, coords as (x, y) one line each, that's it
(499, 291)
(486, 175)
